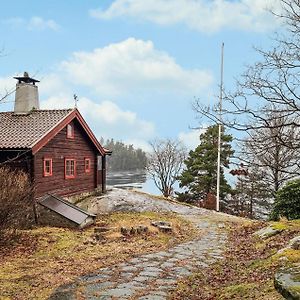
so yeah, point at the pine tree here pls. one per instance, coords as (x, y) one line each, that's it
(200, 174)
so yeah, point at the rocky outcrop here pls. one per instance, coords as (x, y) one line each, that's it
(123, 200)
(287, 282)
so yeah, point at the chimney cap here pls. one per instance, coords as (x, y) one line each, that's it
(25, 78)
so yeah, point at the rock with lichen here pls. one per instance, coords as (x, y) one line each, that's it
(267, 232)
(295, 243)
(287, 282)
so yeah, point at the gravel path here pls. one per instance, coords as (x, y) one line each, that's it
(151, 276)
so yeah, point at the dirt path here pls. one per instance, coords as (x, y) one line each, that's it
(152, 276)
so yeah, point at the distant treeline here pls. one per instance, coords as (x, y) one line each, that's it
(124, 157)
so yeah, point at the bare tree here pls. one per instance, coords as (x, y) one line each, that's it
(165, 164)
(271, 85)
(265, 106)
(267, 150)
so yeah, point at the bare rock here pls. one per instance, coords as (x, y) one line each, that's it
(295, 243)
(267, 232)
(287, 282)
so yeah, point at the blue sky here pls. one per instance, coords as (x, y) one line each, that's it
(136, 65)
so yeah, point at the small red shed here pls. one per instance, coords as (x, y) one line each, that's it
(56, 148)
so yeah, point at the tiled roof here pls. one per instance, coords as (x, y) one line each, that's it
(23, 131)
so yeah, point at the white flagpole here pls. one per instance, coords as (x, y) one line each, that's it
(220, 132)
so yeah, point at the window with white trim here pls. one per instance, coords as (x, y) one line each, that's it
(47, 167)
(70, 168)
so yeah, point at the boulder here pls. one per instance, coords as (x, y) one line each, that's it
(267, 232)
(295, 243)
(287, 282)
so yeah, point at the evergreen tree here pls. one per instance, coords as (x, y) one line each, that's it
(200, 174)
(124, 157)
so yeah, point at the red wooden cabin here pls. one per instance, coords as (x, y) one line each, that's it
(56, 148)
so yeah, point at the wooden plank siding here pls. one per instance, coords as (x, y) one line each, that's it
(58, 149)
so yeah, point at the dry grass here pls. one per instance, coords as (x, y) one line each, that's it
(45, 257)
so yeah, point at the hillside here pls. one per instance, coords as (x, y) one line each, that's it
(202, 255)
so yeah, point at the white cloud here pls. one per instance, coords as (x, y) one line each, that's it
(38, 23)
(133, 65)
(191, 139)
(33, 24)
(107, 119)
(53, 84)
(202, 15)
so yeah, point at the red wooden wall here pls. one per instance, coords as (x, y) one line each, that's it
(59, 148)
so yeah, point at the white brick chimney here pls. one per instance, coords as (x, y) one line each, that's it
(27, 95)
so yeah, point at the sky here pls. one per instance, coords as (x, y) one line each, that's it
(135, 65)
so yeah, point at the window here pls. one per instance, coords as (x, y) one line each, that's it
(47, 167)
(70, 131)
(70, 168)
(87, 165)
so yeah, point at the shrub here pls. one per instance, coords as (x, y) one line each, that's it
(287, 201)
(16, 205)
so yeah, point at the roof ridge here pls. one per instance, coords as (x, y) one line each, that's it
(38, 110)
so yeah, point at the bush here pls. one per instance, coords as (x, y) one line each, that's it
(287, 202)
(16, 205)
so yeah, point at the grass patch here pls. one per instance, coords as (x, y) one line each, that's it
(284, 224)
(56, 256)
(248, 267)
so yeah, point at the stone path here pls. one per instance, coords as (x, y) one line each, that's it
(150, 276)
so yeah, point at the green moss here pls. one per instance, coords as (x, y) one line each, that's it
(295, 288)
(296, 278)
(286, 225)
(293, 256)
(261, 264)
(238, 290)
(279, 226)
